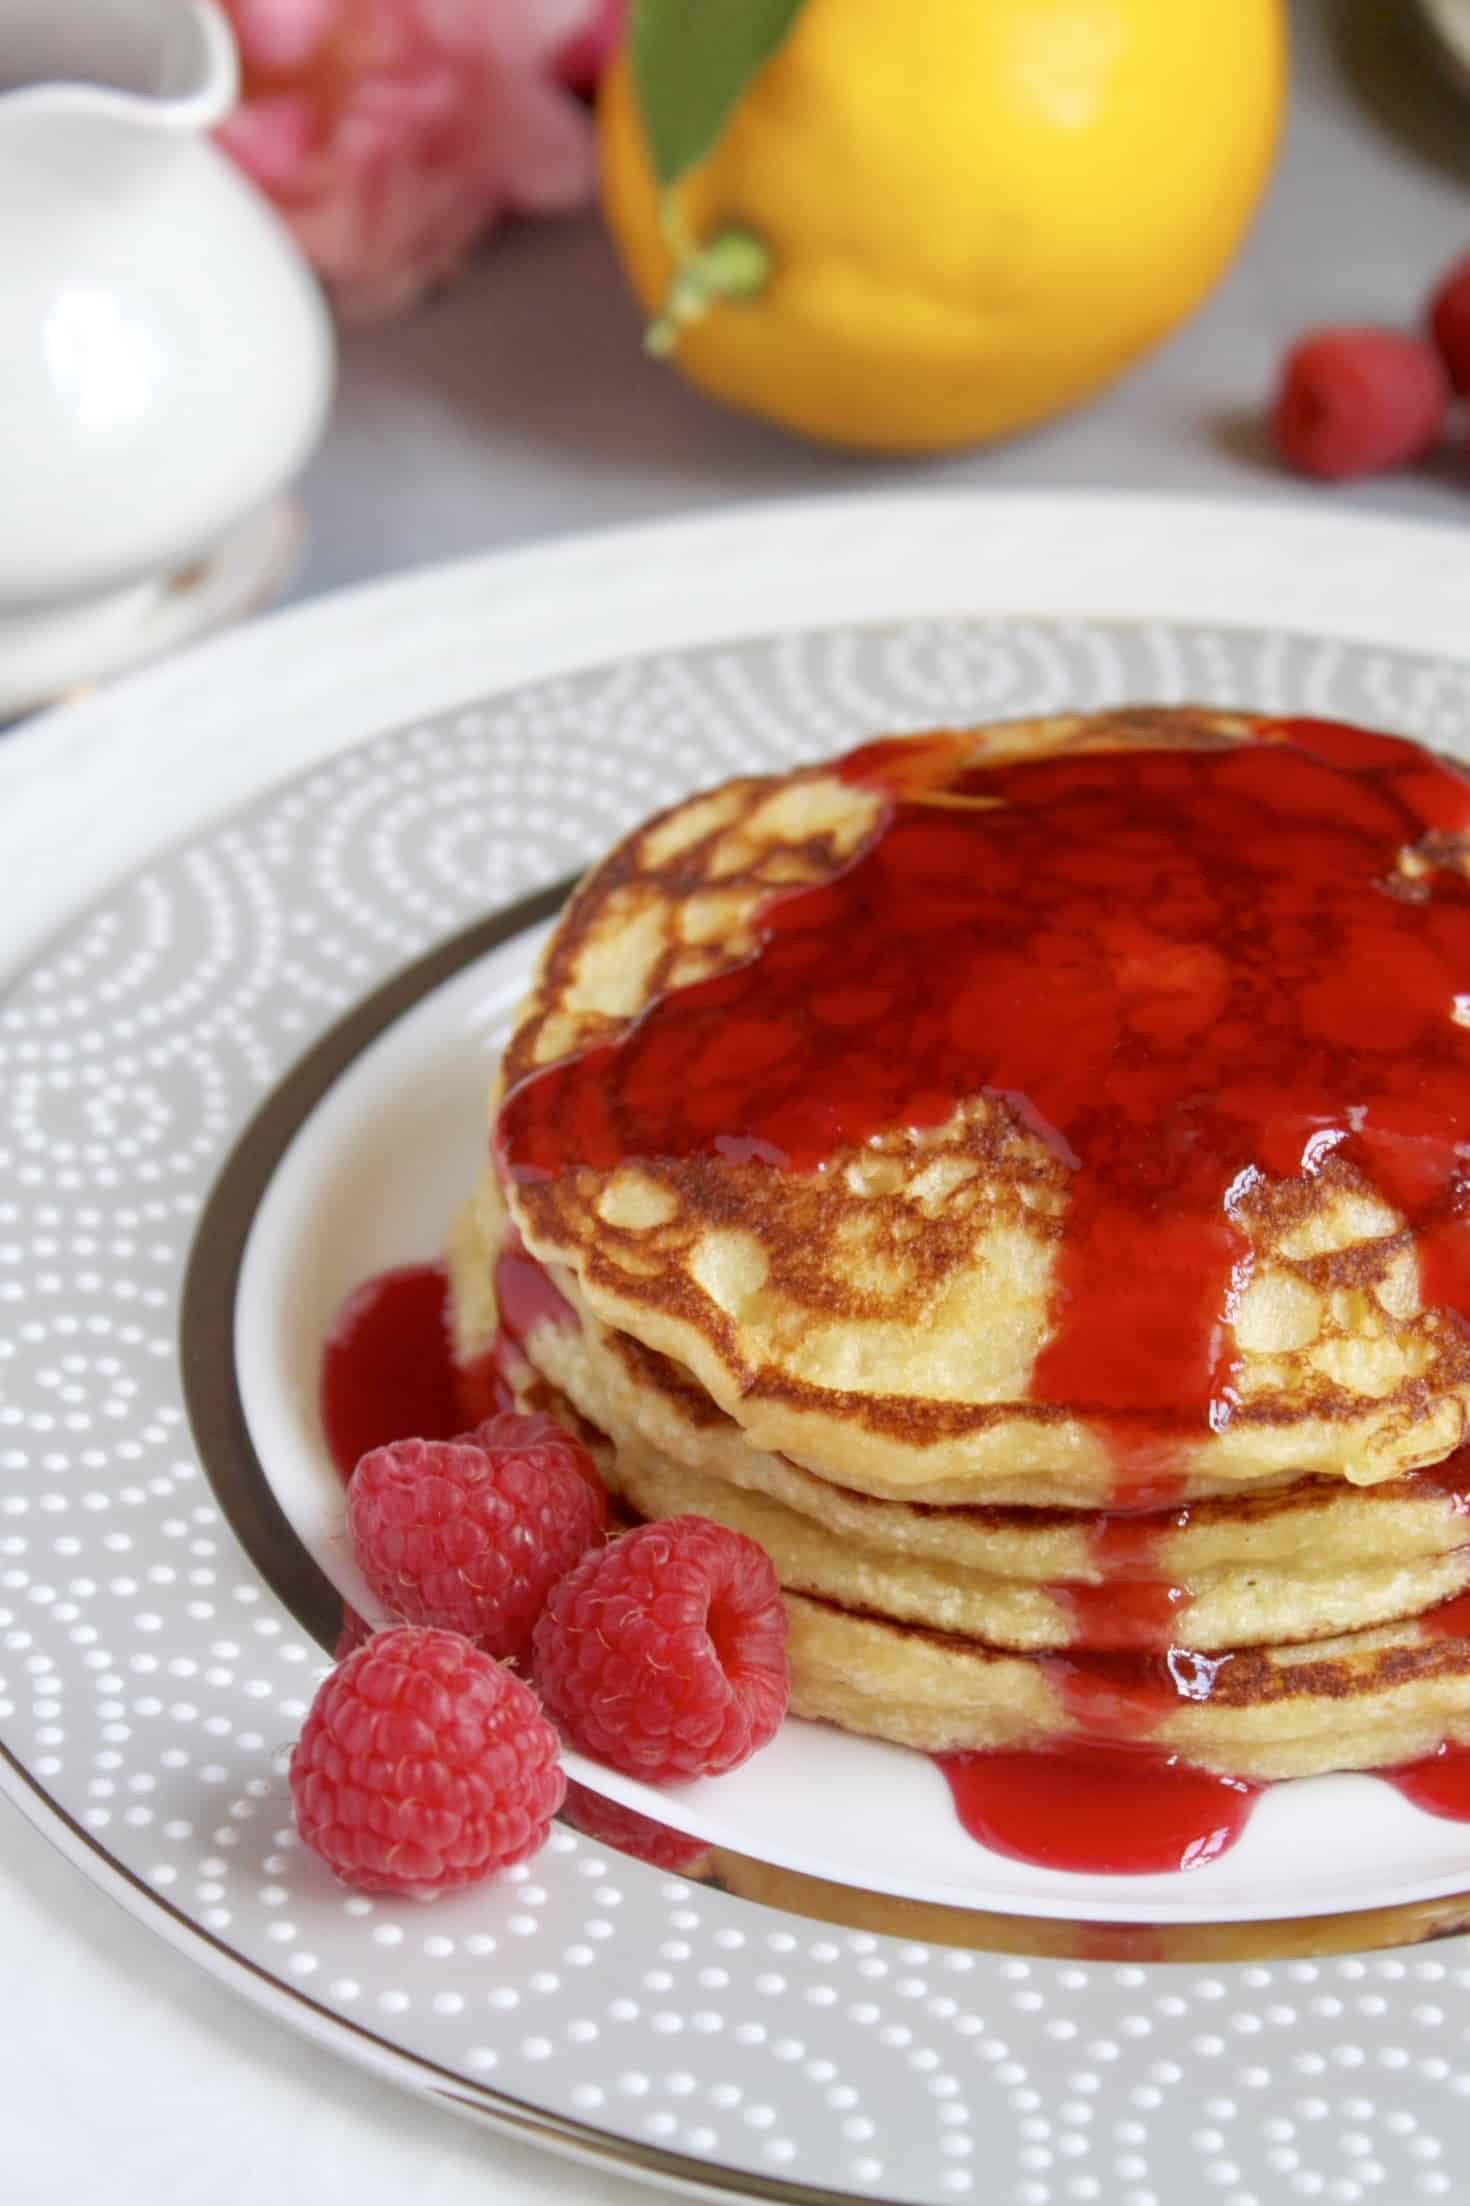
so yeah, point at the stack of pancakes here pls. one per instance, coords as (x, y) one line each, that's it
(841, 1363)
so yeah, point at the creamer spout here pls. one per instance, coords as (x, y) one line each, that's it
(170, 64)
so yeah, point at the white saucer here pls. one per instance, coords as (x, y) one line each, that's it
(48, 657)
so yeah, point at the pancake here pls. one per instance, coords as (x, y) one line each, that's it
(1360, 1700)
(1365, 1700)
(1277, 1565)
(1016, 1177)
(890, 1317)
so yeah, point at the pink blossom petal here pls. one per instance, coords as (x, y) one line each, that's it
(547, 154)
(391, 132)
(520, 34)
(272, 139)
(276, 37)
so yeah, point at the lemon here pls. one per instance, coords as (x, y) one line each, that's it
(930, 222)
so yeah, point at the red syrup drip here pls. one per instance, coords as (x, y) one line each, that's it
(1178, 969)
(1105, 1801)
(1098, 1807)
(1440, 1783)
(525, 1295)
(1119, 1613)
(1450, 1478)
(1127, 1605)
(1450, 1620)
(525, 1292)
(386, 1371)
(1121, 1696)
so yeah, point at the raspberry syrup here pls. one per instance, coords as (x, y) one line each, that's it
(1181, 970)
(525, 1292)
(1097, 1807)
(1450, 1478)
(1126, 1604)
(1440, 1783)
(386, 1371)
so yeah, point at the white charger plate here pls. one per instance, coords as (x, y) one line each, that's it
(151, 1668)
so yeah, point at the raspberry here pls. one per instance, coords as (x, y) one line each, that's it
(665, 1654)
(631, 1833)
(471, 1535)
(423, 1764)
(1449, 318)
(1352, 400)
(538, 1429)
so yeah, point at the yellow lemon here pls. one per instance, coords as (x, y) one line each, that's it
(951, 218)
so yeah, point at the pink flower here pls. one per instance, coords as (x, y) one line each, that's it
(390, 133)
(582, 61)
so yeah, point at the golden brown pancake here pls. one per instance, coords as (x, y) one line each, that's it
(842, 1361)
(880, 1321)
(1276, 1565)
(1364, 1699)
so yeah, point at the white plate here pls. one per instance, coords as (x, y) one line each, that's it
(150, 1672)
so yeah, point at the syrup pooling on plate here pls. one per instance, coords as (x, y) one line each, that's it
(386, 1370)
(1098, 1808)
(1181, 970)
(1440, 1783)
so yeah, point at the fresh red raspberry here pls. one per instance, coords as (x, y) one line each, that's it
(537, 1429)
(1352, 400)
(1449, 318)
(631, 1833)
(471, 1535)
(423, 1764)
(356, 1632)
(665, 1654)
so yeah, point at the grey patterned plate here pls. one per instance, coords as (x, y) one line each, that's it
(161, 1608)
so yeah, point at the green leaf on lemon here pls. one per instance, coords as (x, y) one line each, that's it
(692, 59)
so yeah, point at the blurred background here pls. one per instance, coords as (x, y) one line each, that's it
(593, 261)
(517, 402)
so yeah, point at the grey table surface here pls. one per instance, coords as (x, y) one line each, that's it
(516, 406)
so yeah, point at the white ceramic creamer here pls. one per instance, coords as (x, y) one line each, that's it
(166, 359)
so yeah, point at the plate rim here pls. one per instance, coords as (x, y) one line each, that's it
(310, 678)
(575, 2140)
